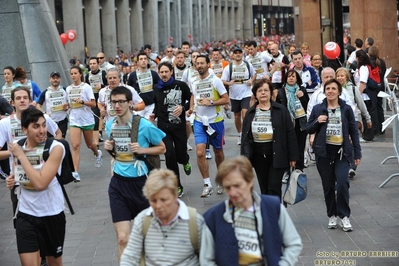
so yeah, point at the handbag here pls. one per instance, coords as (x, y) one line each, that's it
(297, 189)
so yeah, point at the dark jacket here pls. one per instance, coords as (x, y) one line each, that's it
(282, 98)
(349, 128)
(285, 145)
(226, 244)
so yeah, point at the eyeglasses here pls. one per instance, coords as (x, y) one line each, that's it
(102, 57)
(120, 102)
(169, 51)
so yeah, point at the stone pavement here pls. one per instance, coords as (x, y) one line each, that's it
(90, 238)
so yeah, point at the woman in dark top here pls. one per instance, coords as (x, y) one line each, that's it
(268, 139)
(296, 99)
(334, 124)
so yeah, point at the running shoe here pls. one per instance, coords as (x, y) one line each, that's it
(189, 148)
(180, 192)
(206, 191)
(99, 159)
(332, 222)
(219, 190)
(76, 176)
(208, 154)
(346, 224)
(187, 168)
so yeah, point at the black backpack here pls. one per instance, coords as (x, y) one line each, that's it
(67, 167)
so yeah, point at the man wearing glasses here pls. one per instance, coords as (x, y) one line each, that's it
(104, 65)
(129, 173)
(169, 57)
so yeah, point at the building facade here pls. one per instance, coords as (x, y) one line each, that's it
(108, 25)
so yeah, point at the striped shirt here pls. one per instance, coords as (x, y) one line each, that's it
(163, 245)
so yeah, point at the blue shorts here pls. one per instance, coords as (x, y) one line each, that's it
(201, 137)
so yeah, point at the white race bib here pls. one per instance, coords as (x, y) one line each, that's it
(145, 81)
(35, 158)
(334, 127)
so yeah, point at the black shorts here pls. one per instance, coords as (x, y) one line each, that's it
(46, 234)
(238, 105)
(126, 197)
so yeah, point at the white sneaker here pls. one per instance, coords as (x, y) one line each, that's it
(227, 112)
(305, 162)
(99, 159)
(332, 222)
(207, 191)
(76, 176)
(285, 177)
(219, 190)
(346, 224)
(361, 140)
(239, 140)
(208, 154)
(312, 156)
(189, 148)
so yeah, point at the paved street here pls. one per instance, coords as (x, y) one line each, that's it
(90, 237)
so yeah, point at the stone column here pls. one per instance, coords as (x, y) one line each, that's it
(51, 5)
(248, 20)
(136, 24)
(239, 22)
(185, 20)
(196, 16)
(150, 23)
(225, 21)
(218, 15)
(108, 23)
(232, 22)
(92, 23)
(123, 25)
(205, 25)
(377, 20)
(163, 25)
(175, 22)
(212, 20)
(73, 20)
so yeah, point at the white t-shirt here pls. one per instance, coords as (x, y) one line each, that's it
(80, 115)
(239, 91)
(362, 75)
(210, 87)
(259, 62)
(6, 135)
(103, 98)
(54, 100)
(47, 202)
(352, 57)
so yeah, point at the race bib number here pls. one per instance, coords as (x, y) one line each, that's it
(121, 134)
(248, 244)
(299, 111)
(74, 94)
(238, 72)
(334, 128)
(217, 69)
(145, 81)
(16, 130)
(110, 109)
(178, 74)
(257, 64)
(262, 131)
(7, 92)
(204, 90)
(35, 158)
(56, 101)
(94, 80)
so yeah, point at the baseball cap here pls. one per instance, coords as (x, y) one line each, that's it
(237, 48)
(55, 73)
(147, 46)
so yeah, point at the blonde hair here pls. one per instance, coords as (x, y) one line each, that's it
(159, 179)
(240, 164)
(305, 44)
(346, 72)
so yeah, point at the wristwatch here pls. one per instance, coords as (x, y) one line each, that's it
(211, 101)
(82, 102)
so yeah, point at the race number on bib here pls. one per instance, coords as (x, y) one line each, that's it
(121, 134)
(238, 72)
(299, 111)
(145, 81)
(257, 64)
(262, 131)
(204, 90)
(35, 158)
(334, 128)
(56, 101)
(74, 94)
